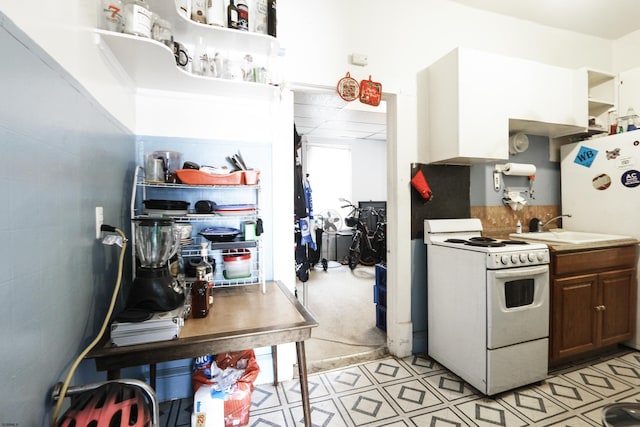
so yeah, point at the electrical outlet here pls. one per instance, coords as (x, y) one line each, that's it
(99, 221)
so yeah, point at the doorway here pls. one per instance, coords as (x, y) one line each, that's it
(344, 153)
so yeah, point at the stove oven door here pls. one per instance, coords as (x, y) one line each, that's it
(517, 305)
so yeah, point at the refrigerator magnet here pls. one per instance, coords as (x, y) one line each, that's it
(601, 182)
(631, 178)
(585, 156)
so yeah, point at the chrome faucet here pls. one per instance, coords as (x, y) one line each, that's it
(542, 225)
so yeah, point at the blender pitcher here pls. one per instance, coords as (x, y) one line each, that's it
(157, 240)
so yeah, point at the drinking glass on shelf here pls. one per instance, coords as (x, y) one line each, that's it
(200, 58)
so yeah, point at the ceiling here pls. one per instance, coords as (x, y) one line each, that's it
(324, 114)
(608, 19)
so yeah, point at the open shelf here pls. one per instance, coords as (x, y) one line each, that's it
(151, 65)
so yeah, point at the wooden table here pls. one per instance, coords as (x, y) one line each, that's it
(241, 318)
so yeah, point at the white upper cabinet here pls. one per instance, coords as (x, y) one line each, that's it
(473, 100)
(601, 88)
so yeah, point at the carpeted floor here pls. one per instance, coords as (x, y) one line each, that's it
(342, 301)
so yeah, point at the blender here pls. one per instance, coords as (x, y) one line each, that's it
(156, 241)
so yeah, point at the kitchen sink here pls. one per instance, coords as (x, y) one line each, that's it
(568, 236)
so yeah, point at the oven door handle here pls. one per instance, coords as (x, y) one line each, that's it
(521, 272)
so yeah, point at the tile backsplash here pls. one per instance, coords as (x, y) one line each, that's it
(500, 221)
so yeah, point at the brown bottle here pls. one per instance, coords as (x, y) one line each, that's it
(272, 21)
(200, 294)
(232, 15)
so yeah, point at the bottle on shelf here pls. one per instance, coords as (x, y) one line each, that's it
(200, 294)
(243, 15)
(232, 15)
(260, 14)
(613, 122)
(272, 21)
(631, 119)
(215, 13)
(204, 254)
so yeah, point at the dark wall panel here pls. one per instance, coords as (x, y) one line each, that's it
(450, 185)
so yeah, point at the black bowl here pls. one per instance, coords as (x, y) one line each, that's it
(219, 234)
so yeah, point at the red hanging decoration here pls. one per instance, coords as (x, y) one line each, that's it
(370, 92)
(348, 88)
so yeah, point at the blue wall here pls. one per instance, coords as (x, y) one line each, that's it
(546, 185)
(62, 156)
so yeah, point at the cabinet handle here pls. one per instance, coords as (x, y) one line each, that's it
(600, 308)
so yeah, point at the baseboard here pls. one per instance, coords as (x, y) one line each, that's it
(342, 361)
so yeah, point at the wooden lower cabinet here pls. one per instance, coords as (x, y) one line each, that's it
(591, 310)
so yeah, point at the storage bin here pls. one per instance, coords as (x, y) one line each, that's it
(381, 275)
(237, 265)
(381, 317)
(380, 295)
(198, 177)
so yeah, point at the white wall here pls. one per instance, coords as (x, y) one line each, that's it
(368, 166)
(402, 39)
(399, 39)
(624, 52)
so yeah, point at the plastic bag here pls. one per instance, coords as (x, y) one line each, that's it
(231, 377)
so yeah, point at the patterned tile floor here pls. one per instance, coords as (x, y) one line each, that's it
(416, 391)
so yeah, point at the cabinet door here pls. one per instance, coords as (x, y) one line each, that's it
(573, 317)
(618, 297)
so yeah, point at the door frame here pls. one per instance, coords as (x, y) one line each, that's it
(400, 120)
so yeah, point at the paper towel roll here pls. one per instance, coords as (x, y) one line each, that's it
(519, 169)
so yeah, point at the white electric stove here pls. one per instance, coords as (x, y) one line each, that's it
(487, 305)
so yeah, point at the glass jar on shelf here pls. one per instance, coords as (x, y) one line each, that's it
(137, 18)
(111, 18)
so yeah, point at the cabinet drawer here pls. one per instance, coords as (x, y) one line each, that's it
(594, 260)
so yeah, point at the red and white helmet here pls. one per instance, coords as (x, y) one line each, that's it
(110, 405)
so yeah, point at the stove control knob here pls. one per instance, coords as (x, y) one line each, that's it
(540, 256)
(514, 258)
(523, 257)
(504, 259)
(532, 257)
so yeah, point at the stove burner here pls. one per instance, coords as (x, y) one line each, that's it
(456, 241)
(514, 242)
(485, 244)
(482, 239)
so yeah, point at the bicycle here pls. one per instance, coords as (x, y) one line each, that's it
(366, 249)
